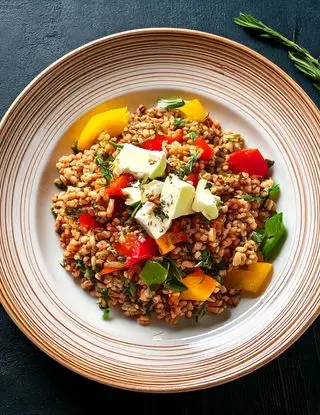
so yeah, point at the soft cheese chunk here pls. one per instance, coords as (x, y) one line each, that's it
(205, 202)
(154, 223)
(140, 162)
(177, 197)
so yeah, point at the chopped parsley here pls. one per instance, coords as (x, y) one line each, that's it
(193, 135)
(250, 198)
(174, 278)
(73, 212)
(179, 122)
(104, 165)
(81, 266)
(104, 294)
(158, 211)
(130, 289)
(187, 168)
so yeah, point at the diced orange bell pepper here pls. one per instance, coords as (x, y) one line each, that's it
(194, 111)
(112, 121)
(253, 279)
(111, 267)
(167, 241)
(199, 286)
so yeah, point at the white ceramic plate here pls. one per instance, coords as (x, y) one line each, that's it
(246, 93)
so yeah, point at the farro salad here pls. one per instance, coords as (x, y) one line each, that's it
(163, 213)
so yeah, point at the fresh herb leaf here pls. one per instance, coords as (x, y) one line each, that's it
(234, 137)
(179, 122)
(135, 210)
(187, 168)
(153, 273)
(250, 198)
(205, 259)
(170, 104)
(104, 165)
(81, 266)
(274, 192)
(271, 237)
(130, 289)
(193, 135)
(174, 278)
(74, 147)
(106, 314)
(258, 236)
(201, 311)
(115, 145)
(73, 212)
(104, 294)
(158, 211)
(301, 57)
(60, 185)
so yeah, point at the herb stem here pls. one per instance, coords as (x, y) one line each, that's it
(300, 56)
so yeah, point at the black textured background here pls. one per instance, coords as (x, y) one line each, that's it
(33, 34)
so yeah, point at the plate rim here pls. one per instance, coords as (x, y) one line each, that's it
(9, 306)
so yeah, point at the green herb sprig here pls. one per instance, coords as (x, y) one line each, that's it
(170, 104)
(115, 145)
(179, 122)
(301, 57)
(187, 168)
(104, 165)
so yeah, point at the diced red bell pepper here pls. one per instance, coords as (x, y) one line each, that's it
(116, 186)
(155, 144)
(137, 249)
(194, 176)
(248, 160)
(176, 136)
(88, 221)
(207, 151)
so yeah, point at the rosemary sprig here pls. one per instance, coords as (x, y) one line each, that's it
(301, 57)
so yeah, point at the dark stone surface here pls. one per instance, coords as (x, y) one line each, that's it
(33, 34)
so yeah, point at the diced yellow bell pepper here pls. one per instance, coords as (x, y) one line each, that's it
(194, 111)
(253, 280)
(200, 286)
(113, 122)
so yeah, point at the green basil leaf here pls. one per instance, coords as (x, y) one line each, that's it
(273, 225)
(153, 273)
(274, 192)
(273, 245)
